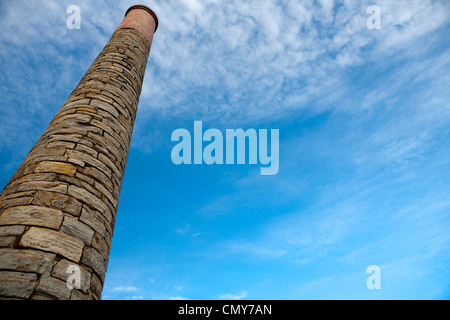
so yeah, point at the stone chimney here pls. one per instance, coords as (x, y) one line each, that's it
(57, 212)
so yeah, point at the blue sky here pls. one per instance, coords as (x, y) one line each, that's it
(363, 116)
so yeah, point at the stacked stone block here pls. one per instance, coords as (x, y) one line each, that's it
(58, 209)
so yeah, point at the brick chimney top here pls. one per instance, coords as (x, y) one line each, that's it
(140, 6)
(141, 18)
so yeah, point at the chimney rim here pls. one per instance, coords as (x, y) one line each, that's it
(146, 8)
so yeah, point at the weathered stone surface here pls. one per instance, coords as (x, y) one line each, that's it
(75, 102)
(43, 185)
(17, 284)
(51, 131)
(112, 88)
(39, 152)
(7, 241)
(7, 196)
(107, 194)
(105, 106)
(61, 144)
(77, 295)
(118, 101)
(99, 176)
(53, 241)
(116, 143)
(26, 260)
(85, 178)
(57, 289)
(117, 127)
(75, 154)
(94, 219)
(92, 258)
(16, 202)
(91, 200)
(61, 138)
(88, 150)
(59, 207)
(114, 167)
(81, 183)
(11, 230)
(58, 201)
(56, 167)
(77, 229)
(63, 272)
(101, 245)
(102, 144)
(41, 297)
(76, 161)
(68, 116)
(96, 286)
(48, 176)
(32, 216)
(88, 109)
(102, 126)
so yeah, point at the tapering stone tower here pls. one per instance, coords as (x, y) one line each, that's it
(58, 210)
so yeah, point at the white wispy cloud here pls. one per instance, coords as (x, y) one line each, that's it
(261, 49)
(184, 229)
(243, 64)
(231, 296)
(175, 298)
(289, 56)
(125, 289)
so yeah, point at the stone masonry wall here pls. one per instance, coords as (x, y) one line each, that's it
(59, 208)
